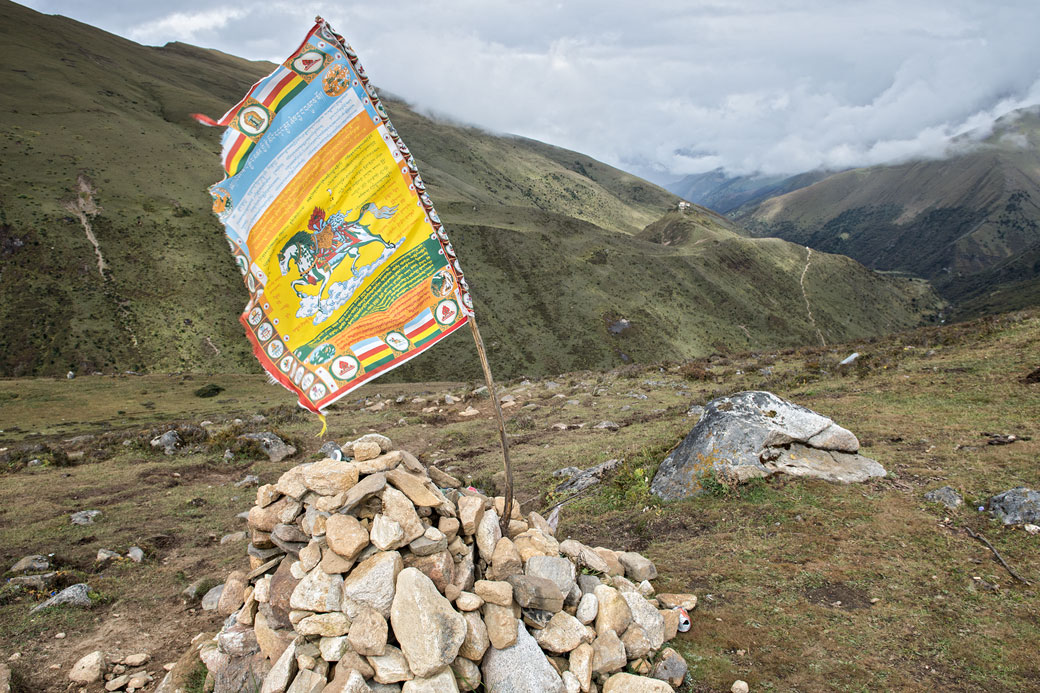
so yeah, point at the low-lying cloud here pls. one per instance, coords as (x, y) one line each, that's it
(664, 87)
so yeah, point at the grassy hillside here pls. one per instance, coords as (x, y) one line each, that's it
(726, 194)
(957, 221)
(112, 259)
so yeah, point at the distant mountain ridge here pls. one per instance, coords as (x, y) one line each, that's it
(111, 259)
(970, 223)
(725, 194)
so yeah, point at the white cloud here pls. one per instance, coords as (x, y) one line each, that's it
(184, 26)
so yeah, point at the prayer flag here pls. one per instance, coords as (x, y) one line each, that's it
(348, 267)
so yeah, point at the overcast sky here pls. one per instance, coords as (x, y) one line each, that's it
(658, 87)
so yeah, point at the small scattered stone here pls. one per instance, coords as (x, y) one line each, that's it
(739, 687)
(85, 517)
(88, 669)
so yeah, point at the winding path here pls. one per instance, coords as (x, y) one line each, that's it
(808, 308)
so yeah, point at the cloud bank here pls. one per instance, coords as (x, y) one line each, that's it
(663, 87)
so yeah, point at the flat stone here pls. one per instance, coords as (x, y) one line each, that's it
(272, 642)
(494, 592)
(75, 595)
(501, 625)
(267, 494)
(520, 668)
(85, 517)
(476, 641)
(384, 443)
(391, 666)
(289, 533)
(647, 616)
(441, 682)
(32, 564)
(584, 556)
(211, 599)
(432, 541)
(536, 593)
(318, 591)
(329, 477)
(671, 623)
(372, 583)
(365, 450)
(327, 625)
(614, 566)
(346, 536)
(668, 600)
(368, 633)
(637, 568)
(365, 488)
(1017, 506)
(561, 635)
(428, 629)
(614, 613)
(630, 683)
(233, 594)
(413, 487)
(636, 642)
(560, 570)
(347, 681)
(238, 640)
(88, 669)
(588, 583)
(283, 671)
(283, 510)
(332, 563)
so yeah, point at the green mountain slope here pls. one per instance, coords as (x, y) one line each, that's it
(110, 258)
(726, 194)
(957, 221)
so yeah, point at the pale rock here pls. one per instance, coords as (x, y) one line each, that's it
(637, 568)
(505, 561)
(368, 633)
(476, 642)
(247, 613)
(88, 669)
(348, 659)
(636, 642)
(538, 522)
(391, 666)
(580, 664)
(570, 682)
(380, 463)
(516, 528)
(233, 595)
(365, 450)
(588, 583)
(614, 613)
(465, 570)
(283, 671)
(117, 683)
(297, 615)
(307, 681)
(670, 667)
(623, 584)
(451, 592)
(647, 617)
(136, 554)
(347, 681)
(584, 556)
(534, 542)
(501, 624)
(138, 659)
(608, 653)
(366, 488)
(291, 482)
(412, 464)
(671, 623)
(272, 641)
(398, 508)
(327, 625)
(238, 640)
(646, 589)
(560, 570)
(333, 648)
(587, 609)
(609, 557)
(441, 682)
(310, 555)
(346, 536)
(329, 477)
(334, 564)
(467, 601)
(670, 601)
(471, 512)
(488, 534)
(386, 534)
(211, 599)
(372, 582)
(561, 635)
(313, 522)
(467, 674)
(449, 527)
(384, 443)
(494, 592)
(413, 487)
(34, 563)
(318, 591)
(739, 687)
(630, 683)
(267, 494)
(428, 629)
(432, 541)
(265, 518)
(519, 668)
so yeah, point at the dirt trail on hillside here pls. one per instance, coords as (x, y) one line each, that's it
(808, 308)
(83, 208)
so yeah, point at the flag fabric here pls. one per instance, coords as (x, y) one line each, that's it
(348, 267)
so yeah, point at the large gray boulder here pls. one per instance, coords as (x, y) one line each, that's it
(520, 668)
(755, 434)
(1016, 507)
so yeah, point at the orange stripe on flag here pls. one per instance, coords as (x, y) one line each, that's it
(277, 215)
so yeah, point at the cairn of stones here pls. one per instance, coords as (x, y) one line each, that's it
(374, 572)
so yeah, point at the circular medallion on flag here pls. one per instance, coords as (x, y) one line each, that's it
(449, 250)
(317, 392)
(397, 341)
(345, 367)
(467, 301)
(307, 381)
(442, 284)
(255, 316)
(286, 364)
(275, 349)
(434, 217)
(336, 80)
(265, 332)
(309, 62)
(447, 311)
(298, 374)
(250, 283)
(253, 120)
(442, 234)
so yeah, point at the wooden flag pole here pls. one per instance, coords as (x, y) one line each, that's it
(507, 509)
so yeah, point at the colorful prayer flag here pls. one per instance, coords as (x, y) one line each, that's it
(348, 267)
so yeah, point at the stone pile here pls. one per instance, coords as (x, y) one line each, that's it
(116, 673)
(375, 573)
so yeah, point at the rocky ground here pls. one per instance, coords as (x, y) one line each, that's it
(802, 584)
